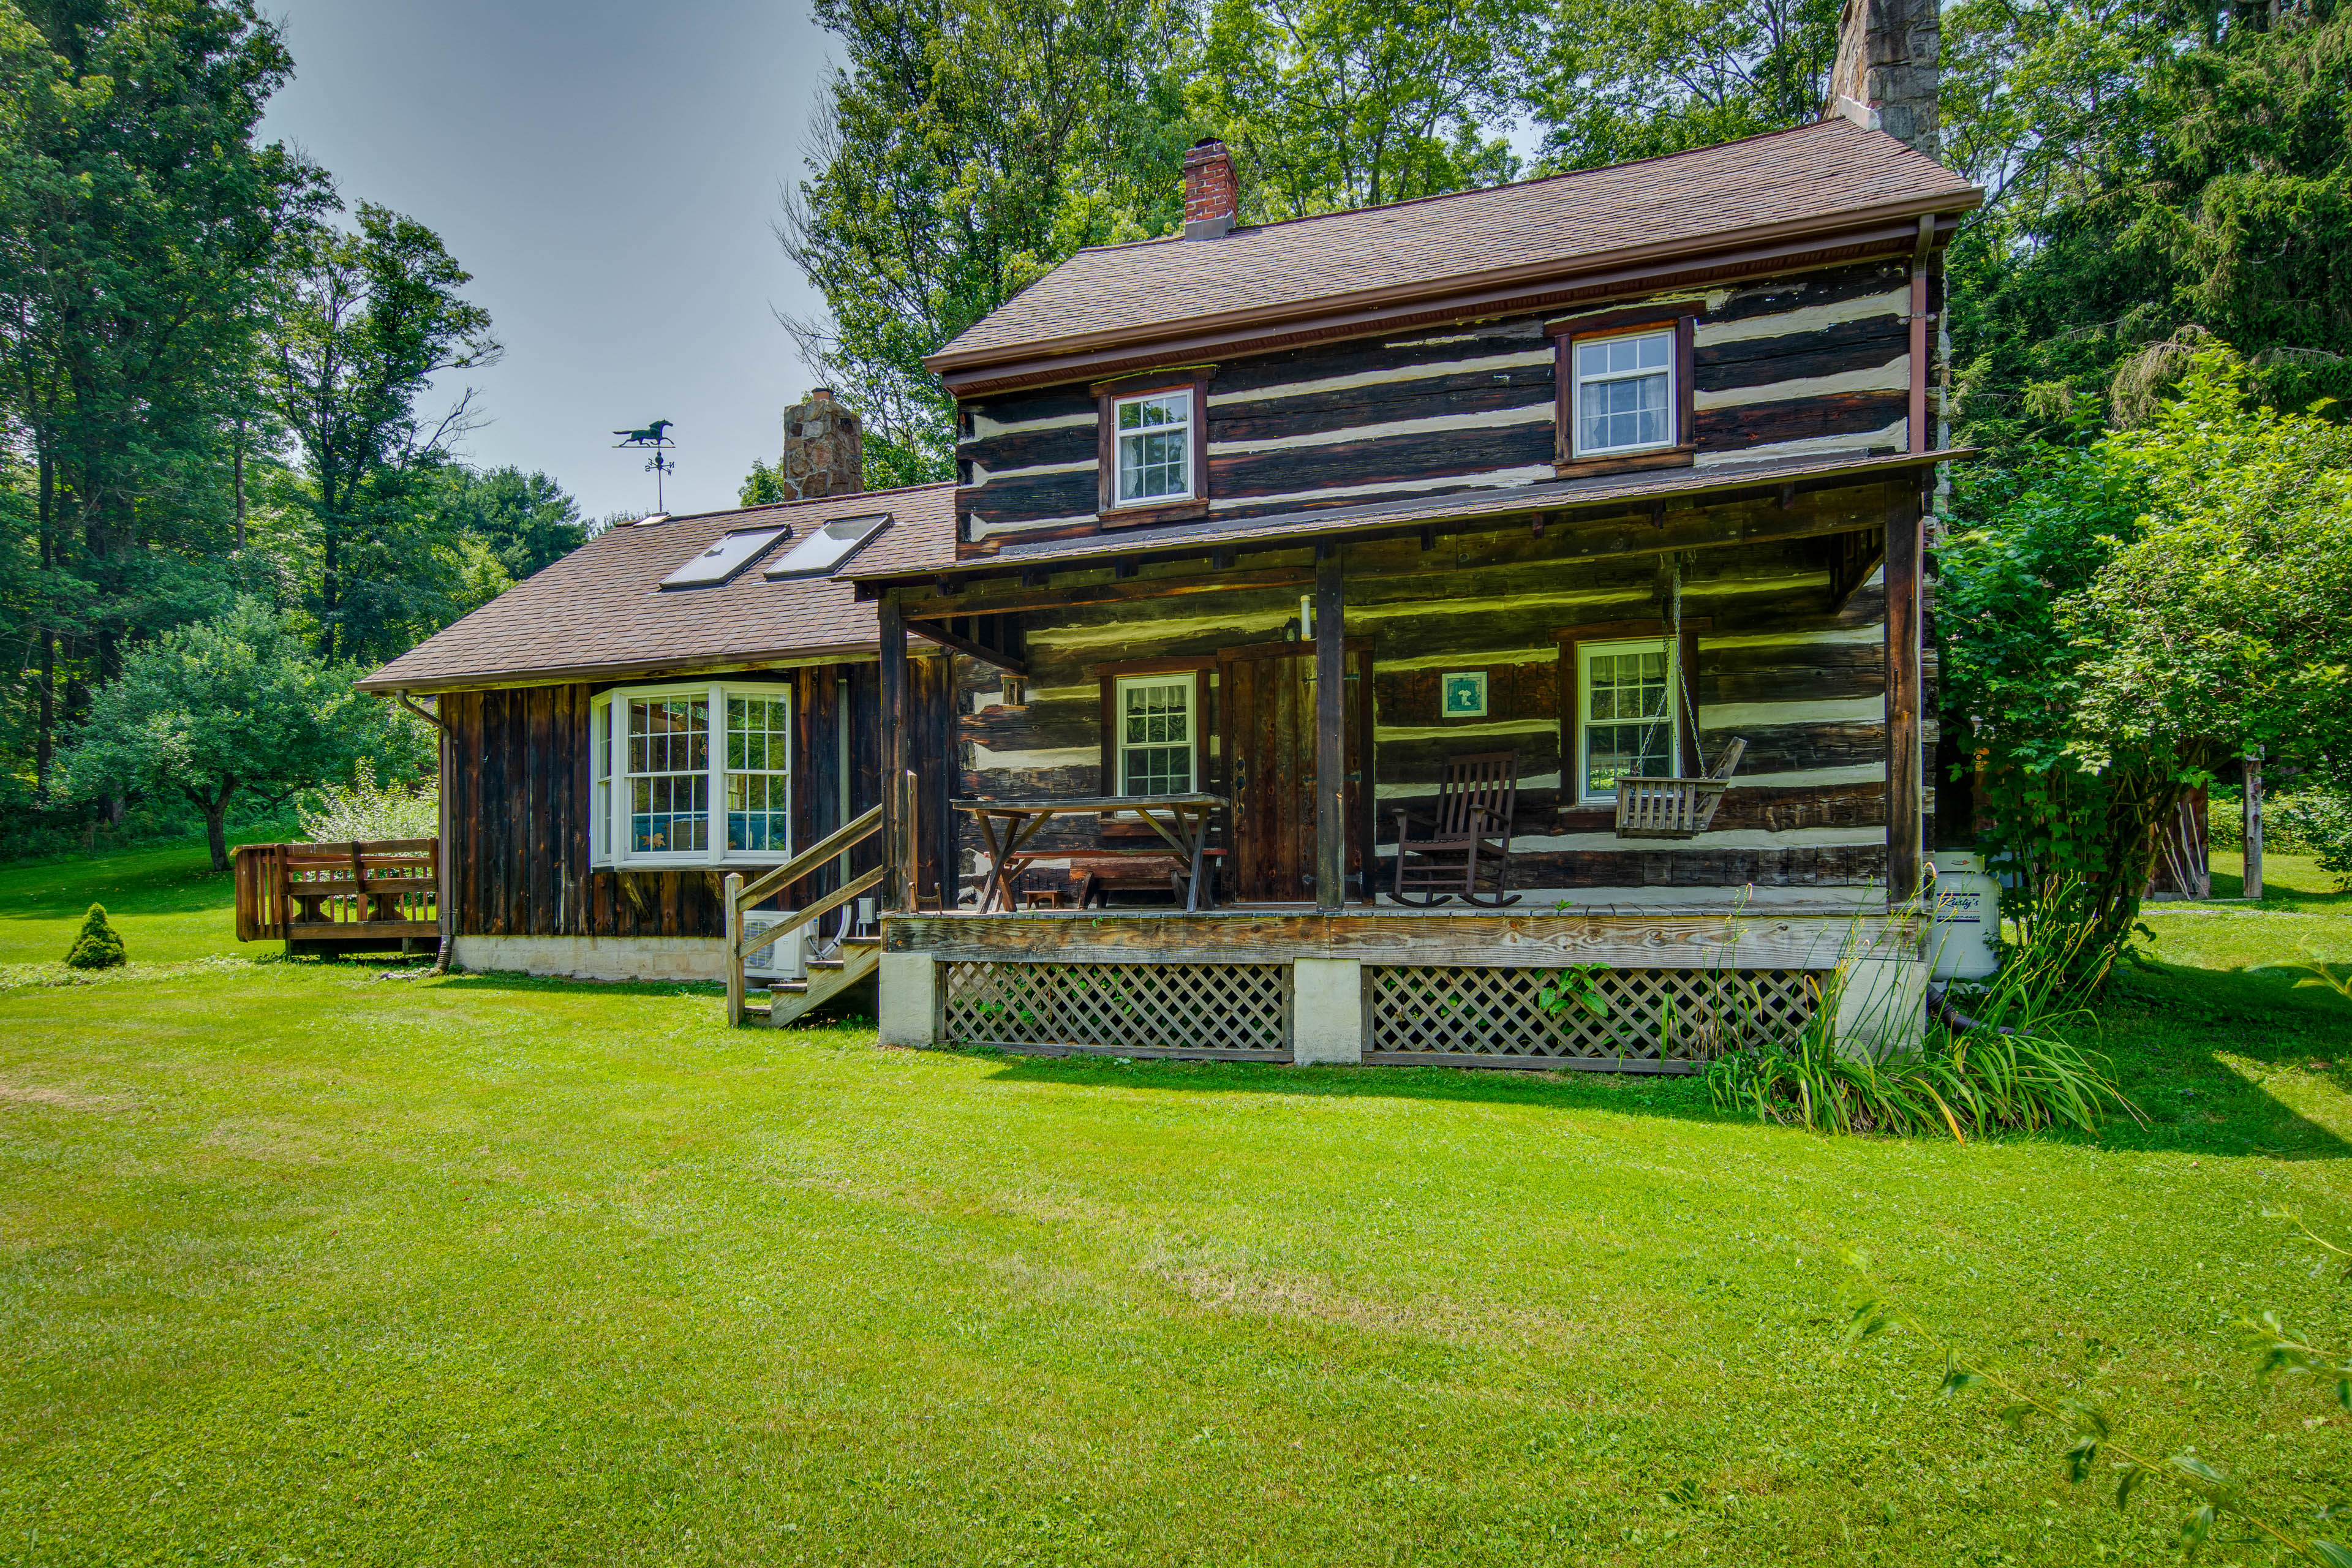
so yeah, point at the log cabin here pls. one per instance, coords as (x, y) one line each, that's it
(1564, 539)
(679, 699)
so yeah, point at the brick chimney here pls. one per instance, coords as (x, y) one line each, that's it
(1209, 205)
(1884, 75)
(824, 448)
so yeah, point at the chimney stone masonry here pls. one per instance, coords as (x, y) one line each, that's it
(824, 448)
(1884, 75)
(1209, 205)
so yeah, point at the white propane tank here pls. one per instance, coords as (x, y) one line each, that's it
(1967, 916)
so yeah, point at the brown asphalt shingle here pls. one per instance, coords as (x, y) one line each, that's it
(600, 611)
(1807, 173)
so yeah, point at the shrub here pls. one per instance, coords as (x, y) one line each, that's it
(98, 945)
(369, 810)
(2320, 821)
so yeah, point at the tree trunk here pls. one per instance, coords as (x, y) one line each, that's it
(216, 825)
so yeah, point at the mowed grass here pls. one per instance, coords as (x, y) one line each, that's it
(302, 1265)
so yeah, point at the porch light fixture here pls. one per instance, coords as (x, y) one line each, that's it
(725, 557)
(828, 546)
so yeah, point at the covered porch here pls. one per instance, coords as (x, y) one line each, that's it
(1297, 678)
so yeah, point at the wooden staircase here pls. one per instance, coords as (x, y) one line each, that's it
(856, 957)
(828, 977)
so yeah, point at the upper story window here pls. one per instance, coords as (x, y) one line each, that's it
(1155, 447)
(1624, 388)
(1625, 715)
(697, 774)
(1155, 740)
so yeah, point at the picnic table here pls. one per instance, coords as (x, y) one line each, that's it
(1006, 827)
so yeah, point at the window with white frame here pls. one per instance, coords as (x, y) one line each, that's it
(1155, 447)
(695, 774)
(1624, 391)
(1624, 714)
(1155, 738)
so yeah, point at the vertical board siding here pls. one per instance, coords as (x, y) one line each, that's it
(521, 808)
(1788, 366)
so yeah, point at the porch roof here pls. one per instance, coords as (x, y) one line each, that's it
(600, 612)
(1613, 491)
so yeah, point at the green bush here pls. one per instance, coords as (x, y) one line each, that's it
(2320, 821)
(97, 945)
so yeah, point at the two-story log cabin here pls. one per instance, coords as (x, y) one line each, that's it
(1616, 476)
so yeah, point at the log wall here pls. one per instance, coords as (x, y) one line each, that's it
(1790, 657)
(1787, 367)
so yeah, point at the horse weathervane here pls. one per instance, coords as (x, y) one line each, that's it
(656, 437)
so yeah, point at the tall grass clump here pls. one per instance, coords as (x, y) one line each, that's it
(2004, 1064)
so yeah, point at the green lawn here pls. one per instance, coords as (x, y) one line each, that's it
(301, 1264)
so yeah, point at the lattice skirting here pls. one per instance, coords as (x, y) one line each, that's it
(1236, 1010)
(1659, 1020)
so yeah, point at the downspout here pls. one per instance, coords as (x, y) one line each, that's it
(443, 905)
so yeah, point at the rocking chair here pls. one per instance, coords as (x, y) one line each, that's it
(1462, 854)
(1675, 808)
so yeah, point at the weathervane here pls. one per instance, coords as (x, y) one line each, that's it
(657, 465)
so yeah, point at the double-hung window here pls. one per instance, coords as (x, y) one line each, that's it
(697, 774)
(1154, 742)
(1624, 391)
(1154, 438)
(1625, 722)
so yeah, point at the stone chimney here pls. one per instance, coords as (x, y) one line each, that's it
(1209, 205)
(1885, 76)
(824, 448)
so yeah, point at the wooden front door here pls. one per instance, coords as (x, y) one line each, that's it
(1268, 746)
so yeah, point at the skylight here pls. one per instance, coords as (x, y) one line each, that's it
(828, 546)
(728, 554)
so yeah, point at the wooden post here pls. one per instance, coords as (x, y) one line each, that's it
(2253, 880)
(734, 895)
(1918, 419)
(892, 701)
(1904, 850)
(1330, 732)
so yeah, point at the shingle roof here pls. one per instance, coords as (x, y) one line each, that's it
(1462, 506)
(1809, 176)
(600, 611)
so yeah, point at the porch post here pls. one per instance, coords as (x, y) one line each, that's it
(891, 698)
(1330, 735)
(1904, 846)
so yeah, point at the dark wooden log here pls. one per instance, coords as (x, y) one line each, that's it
(1763, 361)
(1468, 392)
(1795, 293)
(1802, 419)
(1295, 473)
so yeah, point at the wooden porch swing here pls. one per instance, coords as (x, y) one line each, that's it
(1676, 807)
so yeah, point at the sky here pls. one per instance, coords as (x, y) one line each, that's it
(609, 174)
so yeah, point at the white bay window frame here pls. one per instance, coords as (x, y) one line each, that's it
(612, 778)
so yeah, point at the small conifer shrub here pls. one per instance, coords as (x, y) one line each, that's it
(97, 945)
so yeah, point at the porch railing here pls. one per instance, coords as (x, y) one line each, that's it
(386, 888)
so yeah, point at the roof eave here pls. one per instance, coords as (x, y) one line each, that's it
(1476, 510)
(386, 681)
(1014, 358)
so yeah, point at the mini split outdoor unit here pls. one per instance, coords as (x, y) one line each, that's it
(787, 959)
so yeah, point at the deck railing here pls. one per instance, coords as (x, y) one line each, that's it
(389, 889)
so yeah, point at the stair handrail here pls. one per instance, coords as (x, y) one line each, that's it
(741, 897)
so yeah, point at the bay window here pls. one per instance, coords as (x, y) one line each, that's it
(690, 775)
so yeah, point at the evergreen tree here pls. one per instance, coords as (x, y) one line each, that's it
(97, 945)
